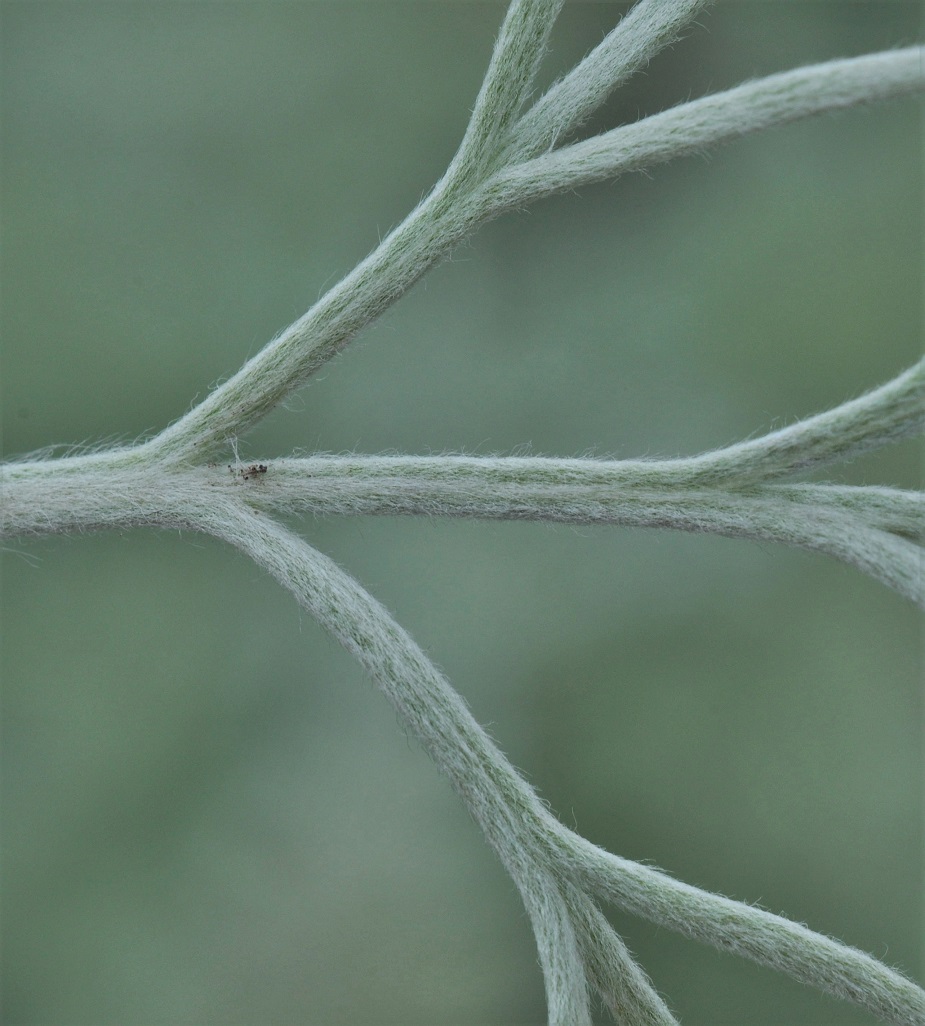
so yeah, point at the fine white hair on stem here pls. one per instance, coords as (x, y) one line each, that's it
(518, 51)
(508, 158)
(690, 127)
(886, 414)
(504, 805)
(534, 845)
(753, 933)
(568, 999)
(734, 491)
(469, 196)
(646, 28)
(620, 982)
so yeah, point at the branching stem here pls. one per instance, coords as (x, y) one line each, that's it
(511, 155)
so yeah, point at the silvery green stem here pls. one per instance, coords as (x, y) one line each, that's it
(515, 60)
(886, 414)
(537, 849)
(620, 982)
(871, 529)
(502, 803)
(743, 930)
(442, 220)
(466, 198)
(508, 158)
(690, 127)
(733, 491)
(646, 28)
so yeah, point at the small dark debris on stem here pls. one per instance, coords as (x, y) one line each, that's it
(246, 473)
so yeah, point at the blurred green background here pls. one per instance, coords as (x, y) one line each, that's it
(209, 815)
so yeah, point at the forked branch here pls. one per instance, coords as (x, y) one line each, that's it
(546, 859)
(509, 157)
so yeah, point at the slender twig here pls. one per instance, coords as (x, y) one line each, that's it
(690, 127)
(647, 28)
(886, 414)
(744, 930)
(449, 214)
(518, 51)
(871, 529)
(527, 837)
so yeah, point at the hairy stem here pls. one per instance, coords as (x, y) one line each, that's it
(509, 158)
(534, 845)
(744, 930)
(646, 28)
(690, 127)
(466, 198)
(876, 530)
(518, 51)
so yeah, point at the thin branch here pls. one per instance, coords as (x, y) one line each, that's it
(437, 224)
(690, 127)
(568, 1000)
(450, 212)
(287, 362)
(647, 28)
(513, 819)
(503, 805)
(619, 980)
(886, 414)
(518, 51)
(742, 929)
(429, 707)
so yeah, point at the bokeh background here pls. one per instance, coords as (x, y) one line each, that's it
(209, 815)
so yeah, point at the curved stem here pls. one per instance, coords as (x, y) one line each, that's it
(437, 224)
(885, 414)
(515, 60)
(689, 127)
(742, 929)
(612, 971)
(287, 362)
(503, 805)
(568, 1000)
(875, 530)
(531, 841)
(465, 198)
(648, 27)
